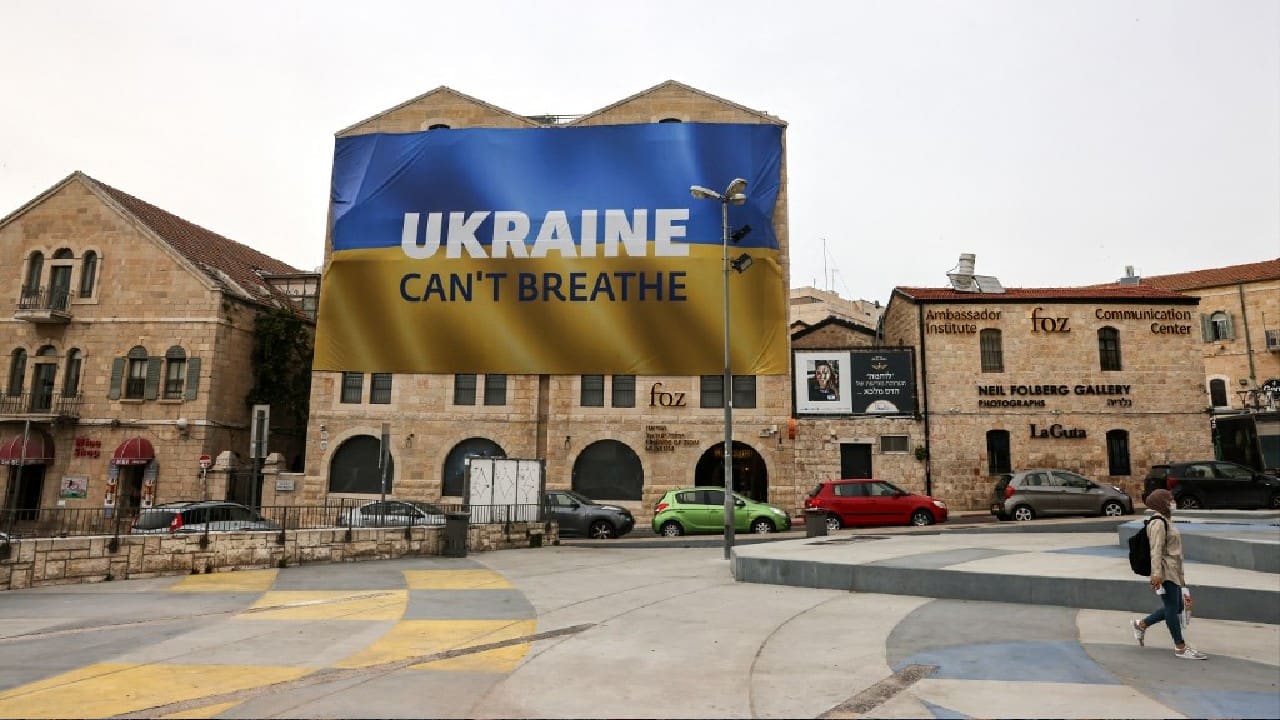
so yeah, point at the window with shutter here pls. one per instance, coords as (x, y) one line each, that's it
(155, 366)
(117, 378)
(193, 378)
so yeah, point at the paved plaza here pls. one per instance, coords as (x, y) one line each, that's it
(597, 629)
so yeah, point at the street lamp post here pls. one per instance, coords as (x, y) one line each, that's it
(733, 194)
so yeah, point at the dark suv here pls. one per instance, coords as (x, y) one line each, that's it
(1214, 484)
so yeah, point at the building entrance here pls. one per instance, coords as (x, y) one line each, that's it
(750, 476)
(855, 460)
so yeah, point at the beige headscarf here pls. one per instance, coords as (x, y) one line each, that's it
(1160, 500)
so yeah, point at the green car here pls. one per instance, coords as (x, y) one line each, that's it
(701, 510)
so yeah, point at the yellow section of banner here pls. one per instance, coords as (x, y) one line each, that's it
(383, 312)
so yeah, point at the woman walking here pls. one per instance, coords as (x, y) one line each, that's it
(1166, 575)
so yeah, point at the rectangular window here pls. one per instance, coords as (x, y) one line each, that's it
(744, 391)
(1109, 348)
(175, 378)
(992, 351)
(592, 394)
(998, 452)
(624, 391)
(1118, 452)
(352, 387)
(712, 391)
(464, 389)
(136, 385)
(380, 389)
(893, 443)
(495, 389)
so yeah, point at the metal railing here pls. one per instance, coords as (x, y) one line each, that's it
(41, 403)
(344, 514)
(41, 298)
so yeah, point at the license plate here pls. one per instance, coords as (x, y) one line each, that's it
(995, 508)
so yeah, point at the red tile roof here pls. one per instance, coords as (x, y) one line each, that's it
(1102, 293)
(229, 264)
(1214, 277)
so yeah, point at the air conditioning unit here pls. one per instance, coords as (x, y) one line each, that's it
(1273, 340)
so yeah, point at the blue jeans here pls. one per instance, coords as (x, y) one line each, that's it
(1172, 599)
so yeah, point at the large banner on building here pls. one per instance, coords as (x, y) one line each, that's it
(563, 250)
(860, 381)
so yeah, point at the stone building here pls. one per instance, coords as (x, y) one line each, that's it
(1103, 381)
(127, 351)
(625, 439)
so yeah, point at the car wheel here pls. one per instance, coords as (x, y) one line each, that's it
(763, 526)
(833, 523)
(1112, 509)
(671, 528)
(1023, 513)
(601, 530)
(1190, 502)
(922, 517)
(1275, 501)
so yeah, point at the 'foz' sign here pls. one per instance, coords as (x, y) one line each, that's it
(1048, 324)
(661, 398)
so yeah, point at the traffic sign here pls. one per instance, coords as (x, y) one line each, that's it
(206, 462)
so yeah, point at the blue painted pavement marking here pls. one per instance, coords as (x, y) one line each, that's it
(1051, 661)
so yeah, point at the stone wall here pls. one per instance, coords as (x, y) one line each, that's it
(60, 561)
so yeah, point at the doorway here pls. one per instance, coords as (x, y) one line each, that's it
(855, 460)
(24, 493)
(750, 475)
(130, 497)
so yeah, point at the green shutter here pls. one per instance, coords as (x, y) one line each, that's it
(193, 378)
(154, 367)
(117, 375)
(1228, 327)
(1206, 328)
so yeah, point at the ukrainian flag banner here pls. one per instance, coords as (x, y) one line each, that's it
(564, 250)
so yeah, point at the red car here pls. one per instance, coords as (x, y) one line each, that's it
(873, 502)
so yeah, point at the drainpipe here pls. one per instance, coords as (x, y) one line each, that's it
(924, 383)
(1248, 344)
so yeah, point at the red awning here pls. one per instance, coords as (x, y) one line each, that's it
(134, 451)
(38, 450)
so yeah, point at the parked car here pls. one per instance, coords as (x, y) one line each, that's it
(580, 516)
(1029, 494)
(1214, 484)
(854, 502)
(701, 510)
(193, 516)
(392, 513)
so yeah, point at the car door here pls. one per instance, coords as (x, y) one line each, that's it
(1041, 492)
(890, 506)
(1200, 479)
(686, 509)
(1236, 486)
(1074, 492)
(563, 511)
(851, 503)
(710, 510)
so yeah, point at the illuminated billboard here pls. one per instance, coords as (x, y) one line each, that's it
(563, 250)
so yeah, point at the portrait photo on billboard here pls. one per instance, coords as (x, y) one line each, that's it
(822, 383)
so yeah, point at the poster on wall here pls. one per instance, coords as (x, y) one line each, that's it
(74, 486)
(884, 381)
(822, 383)
(561, 250)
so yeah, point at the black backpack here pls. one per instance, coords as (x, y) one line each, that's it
(1140, 549)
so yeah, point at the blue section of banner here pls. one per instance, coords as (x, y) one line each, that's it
(379, 178)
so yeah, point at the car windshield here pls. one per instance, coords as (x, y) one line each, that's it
(579, 497)
(154, 519)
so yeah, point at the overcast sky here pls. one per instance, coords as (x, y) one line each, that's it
(1058, 141)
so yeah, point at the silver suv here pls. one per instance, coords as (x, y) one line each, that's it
(198, 517)
(1029, 494)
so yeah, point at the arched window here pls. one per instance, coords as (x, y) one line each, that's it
(1109, 348)
(355, 467)
(35, 268)
(17, 372)
(992, 348)
(608, 470)
(670, 120)
(998, 452)
(1118, 452)
(43, 378)
(135, 384)
(438, 126)
(71, 380)
(453, 483)
(175, 373)
(88, 273)
(63, 254)
(1218, 392)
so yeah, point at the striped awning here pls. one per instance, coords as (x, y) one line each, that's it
(134, 451)
(37, 450)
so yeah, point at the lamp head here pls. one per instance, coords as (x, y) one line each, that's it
(702, 193)
(736, 187)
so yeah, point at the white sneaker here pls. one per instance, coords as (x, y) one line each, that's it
(1190, 653)
(1139, 632)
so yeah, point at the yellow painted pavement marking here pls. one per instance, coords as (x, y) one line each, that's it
(455, 580)
(207, 711)
(106, 689)
(330, 605)
(414, 638)
(238, 581)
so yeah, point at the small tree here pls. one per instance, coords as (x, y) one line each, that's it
(283, 343)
